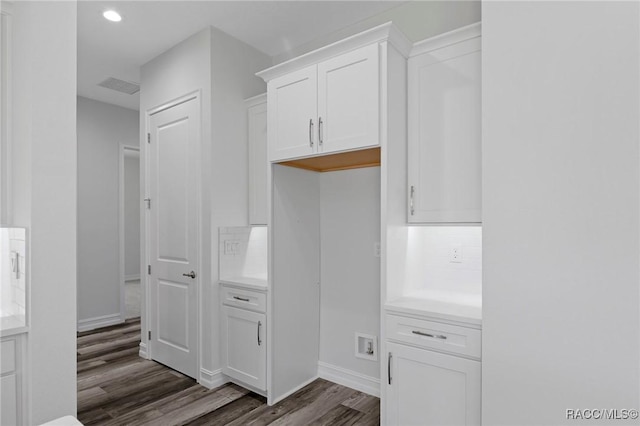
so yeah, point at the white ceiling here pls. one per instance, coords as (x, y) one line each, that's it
(148, 28)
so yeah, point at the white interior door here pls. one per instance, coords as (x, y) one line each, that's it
(173, 225)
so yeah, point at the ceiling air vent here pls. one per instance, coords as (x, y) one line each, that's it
(120, 86)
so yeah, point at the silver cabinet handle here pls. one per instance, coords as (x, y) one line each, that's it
(389, 367)
(311, 132)
(435, 336)
(191, 274)
(241, 298)
(411, 200)
(320, 141)
(259, 325)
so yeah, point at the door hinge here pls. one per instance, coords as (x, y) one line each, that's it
(148, 269)
(149, 334)
(148, 137)
(148, 201)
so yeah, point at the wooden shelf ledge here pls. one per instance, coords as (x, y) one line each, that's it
(341, 161)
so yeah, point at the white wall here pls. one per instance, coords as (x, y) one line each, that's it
(101, 130)
(560, 210)
(349, 270)
(183, 69)
(132, 201)
(44, 196)
(418, 20)
(223, 69)
(233, 68)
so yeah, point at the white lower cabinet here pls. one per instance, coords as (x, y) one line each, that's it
(244, 353)
(428, 387)
(11, 381)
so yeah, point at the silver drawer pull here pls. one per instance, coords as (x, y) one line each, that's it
(241, 298)
(434, 336)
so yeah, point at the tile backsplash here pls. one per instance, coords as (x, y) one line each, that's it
(431, 265)
(13, 272)
(243, 252)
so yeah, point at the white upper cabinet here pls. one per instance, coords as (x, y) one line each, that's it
(335, 99)
(444, 151)
(293, 114)
(348, 101)
(329, 107)
(257, 137)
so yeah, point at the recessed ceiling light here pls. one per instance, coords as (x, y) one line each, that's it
(112, 16)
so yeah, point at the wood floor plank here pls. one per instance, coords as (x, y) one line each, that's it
(340, 415)
(363, 402)
(116, 387)
(266, 415)
(227, 413)
(327, 400)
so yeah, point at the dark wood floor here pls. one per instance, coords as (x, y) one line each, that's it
(117, 387)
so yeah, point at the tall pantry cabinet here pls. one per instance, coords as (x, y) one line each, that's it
(339, 107)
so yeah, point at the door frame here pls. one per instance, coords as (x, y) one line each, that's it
(121, 188)
(146, 349)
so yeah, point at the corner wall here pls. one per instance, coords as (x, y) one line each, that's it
(561, 216)
(44, 196)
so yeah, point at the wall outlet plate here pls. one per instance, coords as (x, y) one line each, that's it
(455, 254)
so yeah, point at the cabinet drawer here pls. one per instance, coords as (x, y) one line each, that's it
(8, 356)
(245, 299)
(434, 335)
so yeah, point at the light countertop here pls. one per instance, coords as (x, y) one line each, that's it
(251, 283)
(11, 325)
(458, 307)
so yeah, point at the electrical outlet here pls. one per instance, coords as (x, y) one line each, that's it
(231, 247)
(455, 254)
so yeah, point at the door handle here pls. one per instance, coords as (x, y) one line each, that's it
(191, 275)
(320, 122)
(259, 325)
(311, 132)
(389, 367)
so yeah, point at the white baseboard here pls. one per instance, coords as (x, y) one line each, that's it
(212, 379)
(132, 278)
(349, 378)
(292, 391)
(143, 353)
(99, 322)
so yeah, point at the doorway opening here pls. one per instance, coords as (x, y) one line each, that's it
(129, 224)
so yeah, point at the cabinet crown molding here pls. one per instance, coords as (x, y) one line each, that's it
(446, 39)
(385, 32)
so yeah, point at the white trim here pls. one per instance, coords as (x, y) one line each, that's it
(99, 322)
(349, 378)
(255, 100)
(122, 153)
(385, 32)
(291, 392)
(447, 39)
(212, 379)
(131, 278)
(143, 353)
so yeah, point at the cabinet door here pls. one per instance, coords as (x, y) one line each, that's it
(244, 357)
(445, 135)
(292, 110)
(430, 388)
(348, 101)
(257, 135)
